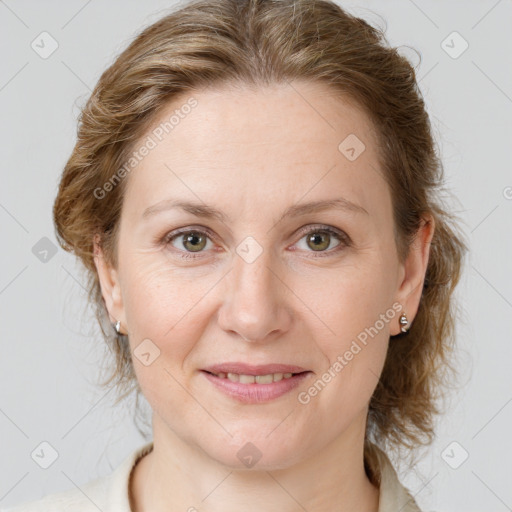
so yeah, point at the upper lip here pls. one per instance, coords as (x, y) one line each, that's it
(248, 369)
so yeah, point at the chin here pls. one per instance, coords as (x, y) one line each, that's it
(249, 450)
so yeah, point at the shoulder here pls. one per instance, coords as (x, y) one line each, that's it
(88, 498)
(393, 495)
(109, 493)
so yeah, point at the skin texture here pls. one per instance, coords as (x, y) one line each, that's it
(252, 154)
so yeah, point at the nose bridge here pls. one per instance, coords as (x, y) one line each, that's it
(253, 273)
(254, 303)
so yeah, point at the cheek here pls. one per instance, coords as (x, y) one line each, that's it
(356, 307)
(159, 298)
(352, 299)
(163, 309)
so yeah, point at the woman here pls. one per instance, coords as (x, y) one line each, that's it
(253, 192)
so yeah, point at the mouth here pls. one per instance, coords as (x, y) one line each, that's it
(254, 389)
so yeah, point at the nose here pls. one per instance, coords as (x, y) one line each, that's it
(256, 299)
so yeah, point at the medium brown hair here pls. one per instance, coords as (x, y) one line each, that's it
(255, 43)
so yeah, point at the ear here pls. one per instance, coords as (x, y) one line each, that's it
(413, 272)
(110, 285)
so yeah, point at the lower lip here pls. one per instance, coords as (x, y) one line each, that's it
(256, 393)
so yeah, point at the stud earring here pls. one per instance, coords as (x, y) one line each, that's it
(117, 327)
(404, 323)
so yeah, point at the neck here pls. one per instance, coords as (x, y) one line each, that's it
(179, 475)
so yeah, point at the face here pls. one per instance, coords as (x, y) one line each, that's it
(264, 280)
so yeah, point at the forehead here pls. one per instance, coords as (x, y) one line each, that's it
(280, 141)
(280, 116)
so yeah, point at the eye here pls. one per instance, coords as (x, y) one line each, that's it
(188, 241)
(319, 238)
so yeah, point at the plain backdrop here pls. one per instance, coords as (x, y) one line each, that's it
(50, 347)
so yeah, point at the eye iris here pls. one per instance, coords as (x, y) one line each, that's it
(193, 237)
(317, 236)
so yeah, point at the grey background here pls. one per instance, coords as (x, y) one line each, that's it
(50, 347)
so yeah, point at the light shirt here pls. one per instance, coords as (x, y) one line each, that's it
(110, 493)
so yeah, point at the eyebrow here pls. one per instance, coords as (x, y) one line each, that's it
(210, 212)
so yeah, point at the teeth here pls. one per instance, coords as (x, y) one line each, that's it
(264, 379)
(258, 379)
(246, 379)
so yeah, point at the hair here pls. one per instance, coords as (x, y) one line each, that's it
(256, 43)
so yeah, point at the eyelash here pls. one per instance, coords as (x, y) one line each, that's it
(342, 237)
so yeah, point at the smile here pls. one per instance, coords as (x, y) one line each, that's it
(251, 389)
